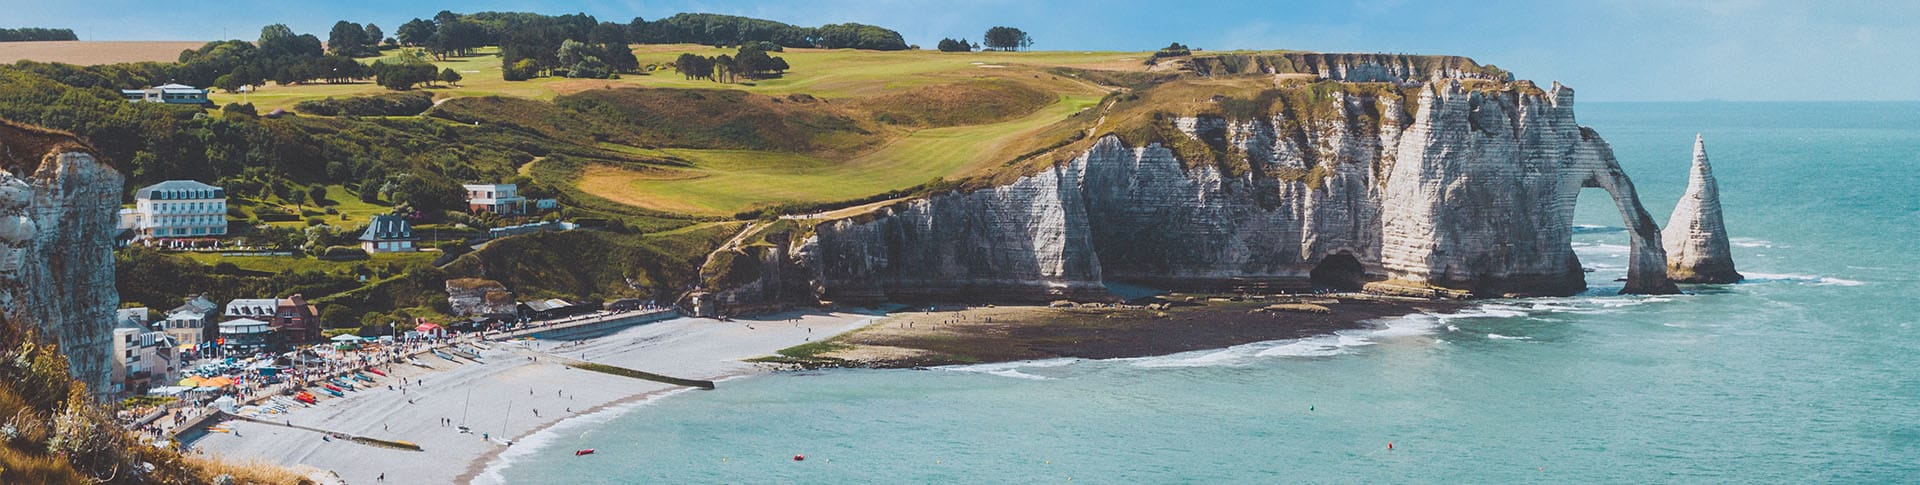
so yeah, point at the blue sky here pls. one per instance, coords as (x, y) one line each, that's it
(1610, 50)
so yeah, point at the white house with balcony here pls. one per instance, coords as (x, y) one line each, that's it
(177, 209)
(503, 199)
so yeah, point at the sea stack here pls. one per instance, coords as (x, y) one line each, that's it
(1696, 237)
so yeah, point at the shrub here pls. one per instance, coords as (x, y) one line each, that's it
(454, 248)
(344, 253)
(392, 104)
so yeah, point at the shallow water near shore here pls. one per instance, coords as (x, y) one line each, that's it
(1806, 372)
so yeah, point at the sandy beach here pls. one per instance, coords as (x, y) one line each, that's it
(498, 399)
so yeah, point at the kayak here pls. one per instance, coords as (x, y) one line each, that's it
(584, 452)
(376, 372)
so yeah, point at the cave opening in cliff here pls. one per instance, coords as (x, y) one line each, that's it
(1338, 272)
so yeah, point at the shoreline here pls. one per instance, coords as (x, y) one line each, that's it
(948, 336)
(486, 396)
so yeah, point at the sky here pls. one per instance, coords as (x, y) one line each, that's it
(1608, 50)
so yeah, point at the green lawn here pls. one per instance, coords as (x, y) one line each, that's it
(724, 182)
(819, 72)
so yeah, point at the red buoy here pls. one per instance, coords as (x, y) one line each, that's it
(799, 457)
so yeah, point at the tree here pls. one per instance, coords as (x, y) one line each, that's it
(317, 194)
(228, 83)
(450, 77)
(415, 32)
(299, 200)
(373, 36)
(950, 45)
(346, 39)
(1006, 39)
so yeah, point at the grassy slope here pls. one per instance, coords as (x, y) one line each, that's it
(902, 157)
(727, 181)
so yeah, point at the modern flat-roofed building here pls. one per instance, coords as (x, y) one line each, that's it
(167, 93)
(177, 209)
(503, 199)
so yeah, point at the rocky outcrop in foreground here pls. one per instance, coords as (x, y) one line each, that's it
(58, 205)
(1696, 237)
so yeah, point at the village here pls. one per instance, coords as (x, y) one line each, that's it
(228, 352)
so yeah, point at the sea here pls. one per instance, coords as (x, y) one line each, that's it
(1809, 371)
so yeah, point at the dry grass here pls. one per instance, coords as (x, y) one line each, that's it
(88, 53)
(250, 471)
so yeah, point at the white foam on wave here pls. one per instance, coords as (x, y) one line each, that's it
(1012, 369)
(1748, 242)
(1601, 249)
(1495, 336)
(545, 438)
(1758, 278)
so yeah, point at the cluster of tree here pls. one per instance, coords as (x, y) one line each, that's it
(351, 40)
(724, 30)
(1172, 50)
(1002, 38)
(447, 34)
(28, 34)
(751, 61)
(961, 45)
(404, 75)
(279, 56)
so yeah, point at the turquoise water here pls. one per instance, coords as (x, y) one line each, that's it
(1805, 373)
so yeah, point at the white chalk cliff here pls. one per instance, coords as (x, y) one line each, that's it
(1473, 193)
(58, 205)
(1696, 235)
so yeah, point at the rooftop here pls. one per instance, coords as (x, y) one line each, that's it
(169, 190)
(387, 228)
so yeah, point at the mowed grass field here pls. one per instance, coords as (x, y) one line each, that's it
(724, 182)
(88, 53)
(826, 73)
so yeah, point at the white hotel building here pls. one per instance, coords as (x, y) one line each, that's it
(177, 209)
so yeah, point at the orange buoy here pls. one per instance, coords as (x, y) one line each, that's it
(799, 457)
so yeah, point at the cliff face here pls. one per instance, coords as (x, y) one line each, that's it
(1696, 235)
(57, 209)
(1472, 193)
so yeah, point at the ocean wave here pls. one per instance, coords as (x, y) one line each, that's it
(1495, 336)
(545, 438)
(1012, 369)
(1596, 229)
(1748, 242)
(1601, 249)
(1761, 278)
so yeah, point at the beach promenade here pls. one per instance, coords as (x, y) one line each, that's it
(509, 395)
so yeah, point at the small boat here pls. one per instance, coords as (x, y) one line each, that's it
(584, 452)
(376, 372)
(363, 378)
(335, 393)
(332, 387)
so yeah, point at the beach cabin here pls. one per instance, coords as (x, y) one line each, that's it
(388, 234)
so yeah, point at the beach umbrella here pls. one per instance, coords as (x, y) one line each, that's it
(190, 381)
(346, 337)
